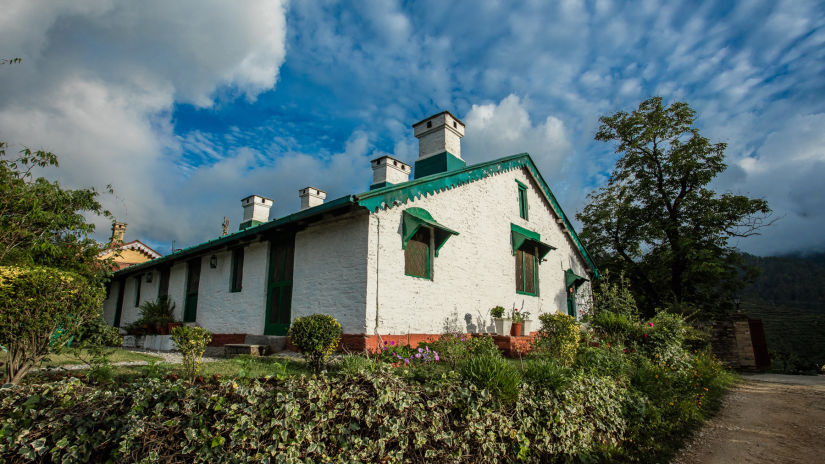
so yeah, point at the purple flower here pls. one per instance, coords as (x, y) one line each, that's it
(421, 350)
(418, 355)
(428, 349)
(392, 343)
(406, 362)
(436, 356)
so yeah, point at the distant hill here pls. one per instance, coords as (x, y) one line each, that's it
(789, 297)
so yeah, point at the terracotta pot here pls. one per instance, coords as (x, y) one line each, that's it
(161, 329)
(515, 329)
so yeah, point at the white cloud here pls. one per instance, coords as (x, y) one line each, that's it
(502, 129)
(98, 83)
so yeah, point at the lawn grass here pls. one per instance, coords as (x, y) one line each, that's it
(72, 356)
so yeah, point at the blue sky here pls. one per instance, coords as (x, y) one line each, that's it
(186, 107)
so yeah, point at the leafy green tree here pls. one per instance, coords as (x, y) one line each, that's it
(42, 223)
(41, 310)
(658, 222)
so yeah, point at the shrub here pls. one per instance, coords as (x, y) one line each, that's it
(454, 348)
(663, 336)
(547, 374)
(610, 361)
(617, 327)
(615, 298)
(317, 336)
(191, 341)
(558, 337)
(492, 373)
(160, 311)
(41, 308)
(96, 332)
(353, 365)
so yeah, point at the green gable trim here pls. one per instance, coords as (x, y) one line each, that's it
(420, 187)
(417, 217)
(521, 237)
(573, 280)
(437, 164)
(250, 223)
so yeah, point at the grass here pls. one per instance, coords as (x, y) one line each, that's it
(70, 356)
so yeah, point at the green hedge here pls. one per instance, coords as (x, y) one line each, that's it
(371, 415)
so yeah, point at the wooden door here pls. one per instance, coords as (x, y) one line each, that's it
(193, 278)
(279, 288)
(119, 305)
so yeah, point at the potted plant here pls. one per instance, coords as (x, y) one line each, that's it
(158, 314)
(528, 323)
(518, 322)
(502, 323)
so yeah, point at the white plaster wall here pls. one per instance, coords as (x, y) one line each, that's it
(474, 270)
(177, 288)
(148, 292)
(223, 311)
(330, 273)
(110, 303)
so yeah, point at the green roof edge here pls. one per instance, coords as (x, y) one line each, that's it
(387, 196)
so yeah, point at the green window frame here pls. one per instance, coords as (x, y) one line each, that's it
(527, 271)
(522, 201)
(417, 254)
(236, 278)
(138, 281)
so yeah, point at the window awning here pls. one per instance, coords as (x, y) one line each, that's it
(417, 217)
(523, 238)
(573, 280)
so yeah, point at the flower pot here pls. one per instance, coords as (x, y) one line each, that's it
(502, 325)
(528, 327)
(515, 329)
(161, 329)
(172, 325)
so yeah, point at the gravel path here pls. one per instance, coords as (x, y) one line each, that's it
(768, 418)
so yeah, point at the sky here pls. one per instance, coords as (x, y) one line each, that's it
(186, 107)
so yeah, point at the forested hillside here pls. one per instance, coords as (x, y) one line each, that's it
(789, 297)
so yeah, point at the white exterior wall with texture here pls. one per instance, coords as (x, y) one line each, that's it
(474, 270)
(330, 273)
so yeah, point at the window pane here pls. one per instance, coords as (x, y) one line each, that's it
(417, 254)
(529, 272)
(237, 269)
(522, 202)
(519, 271)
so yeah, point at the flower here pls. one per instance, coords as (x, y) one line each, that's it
(436, 356)
(650, 323)
(421, 350)
(392, 343)
(418, 355)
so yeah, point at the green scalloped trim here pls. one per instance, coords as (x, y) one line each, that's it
(389, 196)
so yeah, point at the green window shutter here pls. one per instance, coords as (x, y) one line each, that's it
(236, 278)
(523, 238)
(415, 218)
(526, 271)
(417, 254)
(522, 200)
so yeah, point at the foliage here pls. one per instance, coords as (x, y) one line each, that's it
(547, 374)
(616, 298)
(160, 311)
(191, 341)
(657, 220)
(664, 335)
(616, 328)
(497, 311)
(611, 406)
(492, 373)
(41, 309)
(558, 337)
(96, 332)
(42, 223)
(518, 317)
(317, 336)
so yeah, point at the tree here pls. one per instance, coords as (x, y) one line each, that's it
(658, 221)
(42, 223)
(41, 309)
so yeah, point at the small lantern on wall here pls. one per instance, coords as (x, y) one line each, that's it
(213, 262)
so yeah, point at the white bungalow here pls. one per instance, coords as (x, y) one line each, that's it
(407, 260)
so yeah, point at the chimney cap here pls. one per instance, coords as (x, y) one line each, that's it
(252, 197)
(390, 161)
(310, 190)
(436, 115)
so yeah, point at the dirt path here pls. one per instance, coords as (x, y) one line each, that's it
(767, 419)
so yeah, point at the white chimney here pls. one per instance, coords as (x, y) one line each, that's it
(439, 133)
(255, 210)
(311, 196)
(387, 170)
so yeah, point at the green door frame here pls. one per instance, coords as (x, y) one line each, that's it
(279, 285)
(571, 301)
